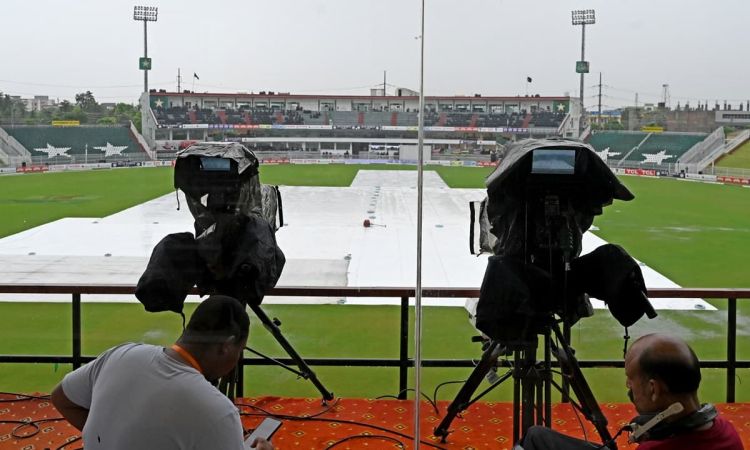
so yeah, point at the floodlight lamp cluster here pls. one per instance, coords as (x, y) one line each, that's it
(583, 17)
(145, 13)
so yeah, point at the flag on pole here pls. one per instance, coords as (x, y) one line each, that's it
(528, 79)
(195, 75)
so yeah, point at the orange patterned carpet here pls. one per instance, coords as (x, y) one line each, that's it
(309, 425)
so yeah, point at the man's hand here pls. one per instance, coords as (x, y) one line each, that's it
(262, 444)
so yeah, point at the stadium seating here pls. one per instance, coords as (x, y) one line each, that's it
(172, 116)
(176, 116)
(407, 119)
(345, 119)
(458, 119)
(546, 119)
(260, 116)
(621, 143)
(431, 118)
(313, 118)
(374, 119)
(47, 144)
(674, 146)
(632, 147)
(494, 120)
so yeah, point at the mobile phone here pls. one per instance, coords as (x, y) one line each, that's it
(265, 430)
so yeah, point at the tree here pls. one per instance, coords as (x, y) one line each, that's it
(109, 120)
(87, 102)
(65, 106)
(5, 102)
(137, 121)
(76, 114)
(126, 109)
(11, 107)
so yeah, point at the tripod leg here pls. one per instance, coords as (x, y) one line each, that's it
(463, 398)
(306, 371)
(547, 381)
(589, 406)
(530, 387)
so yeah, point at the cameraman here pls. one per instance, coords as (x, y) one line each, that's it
(149, 397)
(660, 371)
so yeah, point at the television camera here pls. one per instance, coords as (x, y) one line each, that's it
(541, 199)
(233, 250)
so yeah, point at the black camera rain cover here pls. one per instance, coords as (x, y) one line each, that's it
(611, 275)
(172, 271)
(214, 192)
(533, 240)
(234, 251)
(507, 189)
(507, 309)
(242, 258)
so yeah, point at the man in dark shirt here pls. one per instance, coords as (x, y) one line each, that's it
(660, 370)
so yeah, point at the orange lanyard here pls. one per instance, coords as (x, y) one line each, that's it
(188, 357)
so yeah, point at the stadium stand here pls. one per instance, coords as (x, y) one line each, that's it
(260, 116)
(619, 142)
(313, 118)
(431, 118)
(52, 144)
(673, 146)
(248, 116)
(12, 153)
(374, 119)
(457, 119)
(640, 148)
(177, 116)
(345, 119)
(494, 120)
(408, 119)
(546, 119)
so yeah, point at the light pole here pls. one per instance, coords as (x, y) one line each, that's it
(582, 17)
(145, 14)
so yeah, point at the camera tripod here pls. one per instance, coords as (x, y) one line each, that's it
(532, 384)
(231, 385)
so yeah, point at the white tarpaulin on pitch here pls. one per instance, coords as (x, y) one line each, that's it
(325, 241)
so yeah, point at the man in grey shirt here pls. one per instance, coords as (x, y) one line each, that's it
(150, 397)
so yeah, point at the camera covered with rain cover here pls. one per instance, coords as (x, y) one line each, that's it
(234, 250)
(541, 199)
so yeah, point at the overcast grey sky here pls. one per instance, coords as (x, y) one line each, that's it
(699, 48)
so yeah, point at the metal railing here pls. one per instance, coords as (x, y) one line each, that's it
(404, 362)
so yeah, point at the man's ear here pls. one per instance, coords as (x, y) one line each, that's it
(658, 389)
(227, 345)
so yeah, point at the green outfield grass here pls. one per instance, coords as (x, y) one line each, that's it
(315, 331)
(30, 200)
(697, 234)
(739, 158)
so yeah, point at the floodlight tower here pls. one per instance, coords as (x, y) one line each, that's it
(583, 17)
(145, 14)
